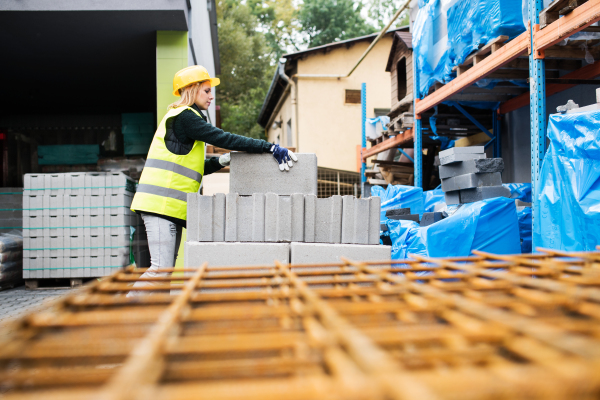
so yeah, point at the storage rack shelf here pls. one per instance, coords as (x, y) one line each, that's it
(533, 55)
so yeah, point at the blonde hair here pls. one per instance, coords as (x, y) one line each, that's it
(188, 95)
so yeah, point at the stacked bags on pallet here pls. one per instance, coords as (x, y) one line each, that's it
(11, 258)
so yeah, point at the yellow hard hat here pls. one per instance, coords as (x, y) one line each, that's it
(189, 75)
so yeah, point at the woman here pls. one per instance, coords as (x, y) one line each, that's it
(175, 165)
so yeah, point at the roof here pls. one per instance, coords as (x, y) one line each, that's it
(404, 37)
(347, 42)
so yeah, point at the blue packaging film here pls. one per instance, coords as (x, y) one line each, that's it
(567, 206)
(525, 232)
(489, 225)
(399, 196)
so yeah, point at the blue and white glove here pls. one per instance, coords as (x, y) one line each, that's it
(284, 157)
(225, 159)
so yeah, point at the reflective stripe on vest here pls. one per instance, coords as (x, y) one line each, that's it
(171, 166)
(167, 178)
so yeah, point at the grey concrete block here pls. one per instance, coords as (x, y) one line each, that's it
(54, 184)
(284, 219)
(219, 214)
(459, 157)
(328, 220)
(310, 214)
(297, 224)
(397, 211)
(409, 217)
(194, 216)
(462, 150)
(75, 182)
(258, 217)
(54, 246)
(348, 216)
(244, 220)
(431, 218)
(95, 183)
(482, 193)
(228, 254)
(475, 166)
(374, 219)
(205, 217)
(452, 198)
(271, 206)
(259, 173)
(362, 217)
(311, 253)
(231, 217)
(471, 181)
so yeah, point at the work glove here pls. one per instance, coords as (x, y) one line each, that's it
(225, 159)
(284, 157)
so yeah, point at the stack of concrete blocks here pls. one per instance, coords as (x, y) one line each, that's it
(78, 225)
(11, 213)
(11, 224)
(271, 215)
(468, 176)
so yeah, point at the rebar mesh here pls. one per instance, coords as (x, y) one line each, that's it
(488, 326)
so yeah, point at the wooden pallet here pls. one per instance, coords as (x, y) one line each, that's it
(54, 283)
(556, 9)
(482, 327)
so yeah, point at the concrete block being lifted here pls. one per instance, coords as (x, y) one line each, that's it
(475, 166)
(310, 253)
(259, 173)
(482, 193)
(233, 254)
(471, 181)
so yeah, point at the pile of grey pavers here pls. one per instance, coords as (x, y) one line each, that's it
(11, 237)
(79, 225)
(468, 176)
(271, 215)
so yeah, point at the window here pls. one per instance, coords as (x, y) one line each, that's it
(290, 140)
(352, 96)
(401, 77)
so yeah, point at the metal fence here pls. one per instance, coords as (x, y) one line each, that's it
(335, 182)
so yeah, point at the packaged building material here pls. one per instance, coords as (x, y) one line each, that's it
(445, 32)
(566, 209)
(11, 258)
(399, 196)
(488, 225)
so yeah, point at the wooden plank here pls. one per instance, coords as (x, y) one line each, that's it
(477, 56)
(590, 71)
(396, 141)
(508, 52)
(580, 18)
(397, 163)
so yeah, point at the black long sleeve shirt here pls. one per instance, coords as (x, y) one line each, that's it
(189, 127)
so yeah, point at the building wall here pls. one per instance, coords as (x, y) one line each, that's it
(171, 56)
(401, 52)
(279, 135)
(326, 125)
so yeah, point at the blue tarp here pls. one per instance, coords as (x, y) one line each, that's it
(521, 191)
(487, 225)
(567, 207)
(469, 24)
(525, 229)
(431, 198)
(399, 196)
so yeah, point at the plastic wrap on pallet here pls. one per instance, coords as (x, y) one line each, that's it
(445, 32)
(566, 210)
(488, 225)
(520, 191)
(399, 196)
(433, 198)
(525, 233)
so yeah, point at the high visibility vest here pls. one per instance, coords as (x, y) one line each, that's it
(167, 178)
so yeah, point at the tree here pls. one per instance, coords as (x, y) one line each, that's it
(381, 11)
(327, 21)
(245, 68)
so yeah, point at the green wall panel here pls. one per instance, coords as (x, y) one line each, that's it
(171, 56)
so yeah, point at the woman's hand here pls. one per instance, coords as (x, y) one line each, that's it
(284, 157)
(225, 159)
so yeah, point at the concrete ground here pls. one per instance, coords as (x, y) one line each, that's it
(18, 301)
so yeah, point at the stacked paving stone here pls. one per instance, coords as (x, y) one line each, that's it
(78, 225)
(271, 215)
(468, 176)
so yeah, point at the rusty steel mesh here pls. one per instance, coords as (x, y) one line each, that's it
(482, 327)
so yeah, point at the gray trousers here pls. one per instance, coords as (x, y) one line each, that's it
(164, 238)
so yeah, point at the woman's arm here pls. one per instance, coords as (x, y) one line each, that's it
(196, 128)
(211, 165)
